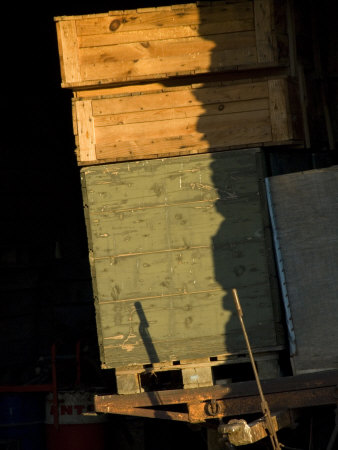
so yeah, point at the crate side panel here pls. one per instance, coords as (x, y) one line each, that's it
(154, 43)
(170, 238)
(185, 119)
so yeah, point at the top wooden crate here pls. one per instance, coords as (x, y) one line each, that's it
(163, 42)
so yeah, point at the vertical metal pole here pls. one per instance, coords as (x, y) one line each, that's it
(265, 408)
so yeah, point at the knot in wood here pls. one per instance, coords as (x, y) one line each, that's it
(114, 25)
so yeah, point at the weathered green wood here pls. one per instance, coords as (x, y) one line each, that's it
(168, 240)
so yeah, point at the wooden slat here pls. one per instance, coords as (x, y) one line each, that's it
(119, 90)
(133, 21)
(69, 51)
(202, 128)
(263, 25)
(160, 34)
(96, 64)
(180, 98)
(169, 48)
(85, 130)
(181, 112)
(240, 129)
(279, 110)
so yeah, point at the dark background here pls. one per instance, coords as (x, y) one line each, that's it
(45, 282)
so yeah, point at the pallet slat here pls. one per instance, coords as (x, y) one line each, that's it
(196, 373)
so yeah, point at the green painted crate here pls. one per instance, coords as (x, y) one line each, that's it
(169, 238)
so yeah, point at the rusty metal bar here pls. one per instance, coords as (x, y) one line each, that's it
(150, 413)
(246, 389)
(299, 391)
(199, 412)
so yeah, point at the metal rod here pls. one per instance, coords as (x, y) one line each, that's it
(265, 407)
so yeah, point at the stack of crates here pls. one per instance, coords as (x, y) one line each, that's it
(171, 107)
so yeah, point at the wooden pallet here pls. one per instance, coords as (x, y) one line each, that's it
(195, 373)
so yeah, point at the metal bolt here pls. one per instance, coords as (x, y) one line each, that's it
(212, 408)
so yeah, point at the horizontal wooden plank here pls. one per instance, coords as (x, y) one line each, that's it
(132, 21)
(203, 128)
(105, 194)
(181, 112)
(191, 310)
(254, 129)
(168, 48)
(95, 65)
(157, 275)
(180, 98)
(159, 34)
(120, 243)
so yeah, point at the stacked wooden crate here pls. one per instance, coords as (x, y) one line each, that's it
(170, 230)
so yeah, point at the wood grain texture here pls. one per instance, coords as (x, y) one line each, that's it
(130, 124)
(168, 239)
(281, 125)
(157, 43)
(68, 51)
(85, 130)
(305, 209)
(263, 10)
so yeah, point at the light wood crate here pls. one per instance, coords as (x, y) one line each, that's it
(157, 120)
(171, 41)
